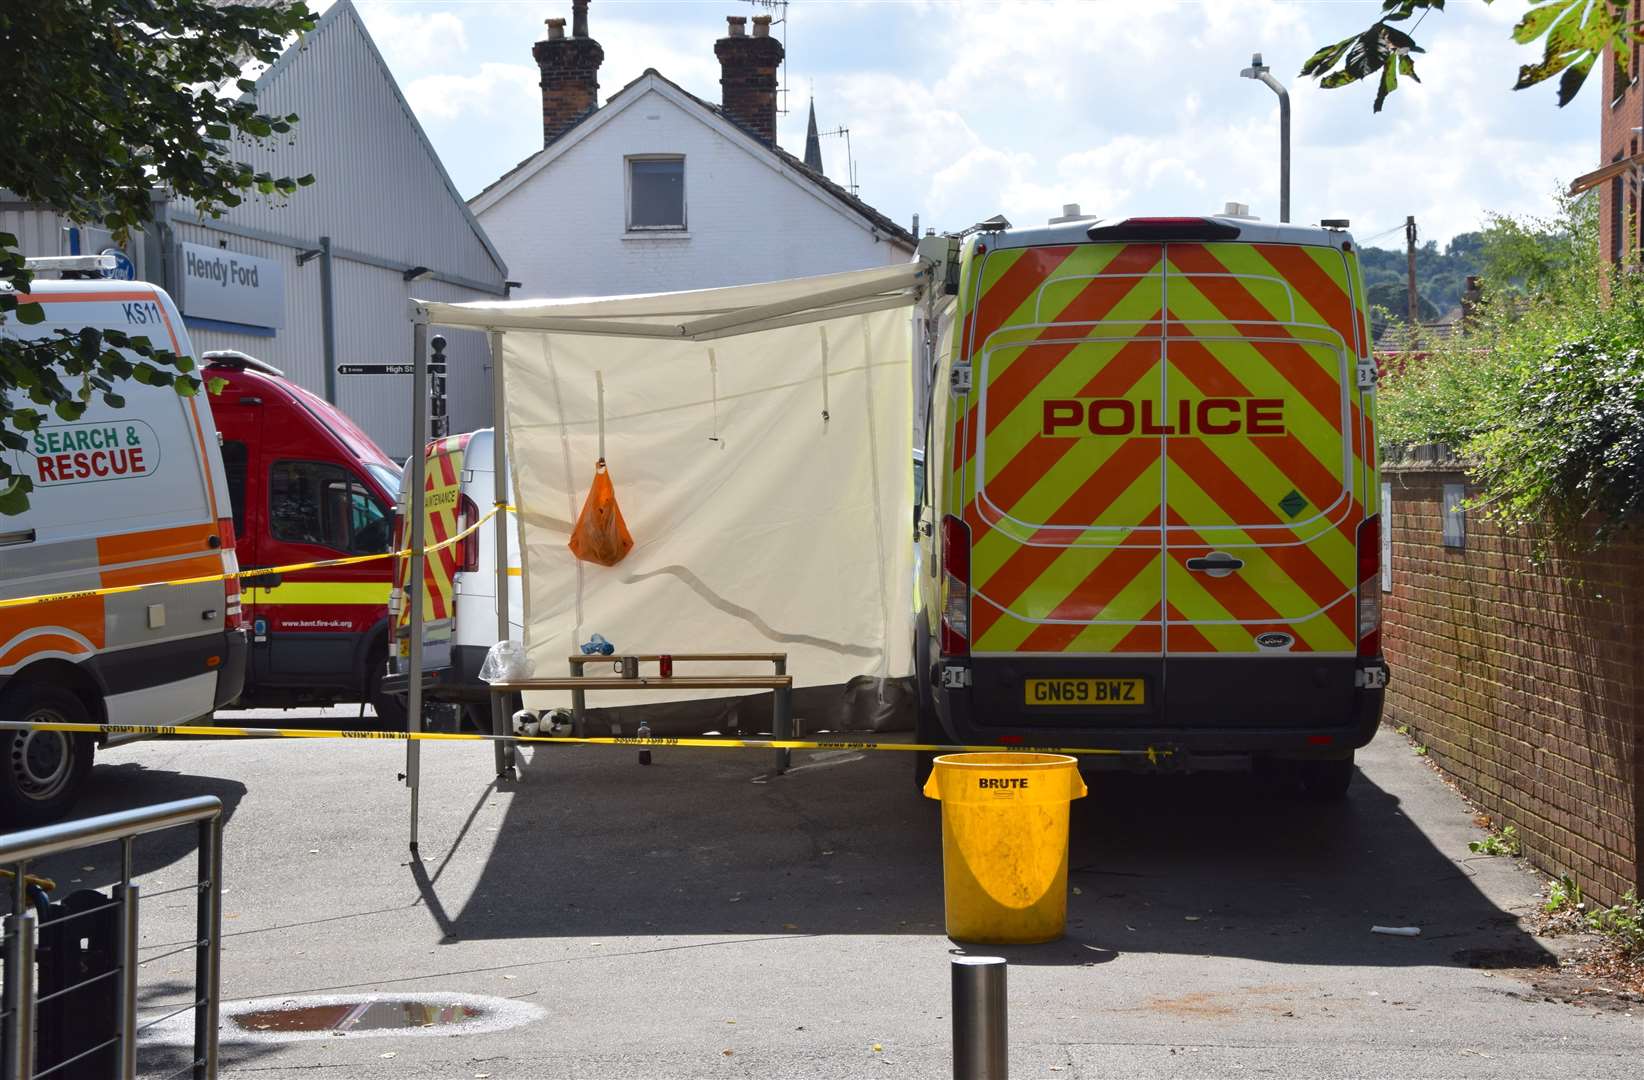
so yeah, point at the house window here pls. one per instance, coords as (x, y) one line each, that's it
(656, 193)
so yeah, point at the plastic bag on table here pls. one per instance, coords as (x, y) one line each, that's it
(600, 535)
(506, 662)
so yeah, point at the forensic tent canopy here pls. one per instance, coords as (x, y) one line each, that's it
(760, 441)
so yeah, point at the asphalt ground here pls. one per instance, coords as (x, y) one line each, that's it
(703, 918)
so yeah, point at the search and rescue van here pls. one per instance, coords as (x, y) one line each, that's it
(307, 486)
(121, 496)
(1151, 517)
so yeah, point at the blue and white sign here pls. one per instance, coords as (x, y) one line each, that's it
(124, 268)
(228, 286)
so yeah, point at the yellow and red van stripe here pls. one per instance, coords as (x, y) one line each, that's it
(1089, 574)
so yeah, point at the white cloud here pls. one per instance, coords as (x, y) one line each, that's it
(494, 89)
(961, 110)
(410, 40)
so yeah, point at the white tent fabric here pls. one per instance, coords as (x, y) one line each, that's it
(760, 442)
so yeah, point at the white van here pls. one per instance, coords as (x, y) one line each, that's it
(461, 595)
(121, 497)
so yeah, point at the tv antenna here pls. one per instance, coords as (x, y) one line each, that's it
(779, 17)
(850, 159)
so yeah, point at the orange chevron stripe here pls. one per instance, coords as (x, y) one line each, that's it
(1301, 564)
(1321, 291)
(1012, 290)
(1183, 637)
(1029, 465)
(1242, 308)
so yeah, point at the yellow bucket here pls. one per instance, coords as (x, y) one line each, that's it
(1004, 844)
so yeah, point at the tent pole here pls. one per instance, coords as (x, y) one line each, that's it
(499, 465)
(414, 573)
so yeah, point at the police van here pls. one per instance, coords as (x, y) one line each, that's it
(121, 497)
(1151, 511)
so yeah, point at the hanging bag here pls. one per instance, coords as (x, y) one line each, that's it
(600, 535)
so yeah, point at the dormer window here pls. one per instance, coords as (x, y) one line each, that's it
(656, 193)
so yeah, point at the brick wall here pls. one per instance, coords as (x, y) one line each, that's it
(1522, 678)
(1621, 99)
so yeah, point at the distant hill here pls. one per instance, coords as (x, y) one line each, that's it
(1440, 275)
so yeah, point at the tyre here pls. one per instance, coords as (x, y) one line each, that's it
(1325, 780)
(42, 772)
(390, 708)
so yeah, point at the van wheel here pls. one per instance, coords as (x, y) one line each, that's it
(390, 708)
(43, 771)
(1325, 780)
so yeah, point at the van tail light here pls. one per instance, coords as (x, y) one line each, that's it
(401, 566)
(955, 636)
(468, 549)
(1369, 544)
(233, 614)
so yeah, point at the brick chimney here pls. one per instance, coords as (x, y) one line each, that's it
(747, 79)
(570, 73)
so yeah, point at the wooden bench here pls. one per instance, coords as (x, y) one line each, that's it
(579, 683)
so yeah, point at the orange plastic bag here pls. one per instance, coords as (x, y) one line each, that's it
(600, 535)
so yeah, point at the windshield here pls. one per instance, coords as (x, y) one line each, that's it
(387, 476)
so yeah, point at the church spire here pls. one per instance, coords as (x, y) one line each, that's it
(813, 144)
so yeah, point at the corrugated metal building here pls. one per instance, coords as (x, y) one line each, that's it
(382, 220)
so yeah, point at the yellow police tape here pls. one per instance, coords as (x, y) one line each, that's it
(261, 571)
(1153, 754)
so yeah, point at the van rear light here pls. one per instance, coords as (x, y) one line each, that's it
(233, 614)
(955, 636)
(468, 550)
(1160, 229)
(1369, 599)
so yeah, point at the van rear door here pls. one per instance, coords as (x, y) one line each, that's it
(1262, 452)
(1066, 526)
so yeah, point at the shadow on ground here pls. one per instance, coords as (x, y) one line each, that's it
(708, 844)
(123, 786)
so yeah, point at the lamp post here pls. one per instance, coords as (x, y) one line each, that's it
(1258, 70)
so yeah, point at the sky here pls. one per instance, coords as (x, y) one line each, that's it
(960, 110)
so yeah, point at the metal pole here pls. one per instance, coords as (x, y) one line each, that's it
(1258, 70)
(20, 993)
(980, 1025)
(328, 323)
(208, 927)
(1284, 143)
(413, 577)
(500, 485)
(127, 1002)
(1413, 299)
(782, 720)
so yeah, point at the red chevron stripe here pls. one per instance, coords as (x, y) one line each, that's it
(1315, 285)
(1301, 564)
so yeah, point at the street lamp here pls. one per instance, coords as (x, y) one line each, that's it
(1258, 70)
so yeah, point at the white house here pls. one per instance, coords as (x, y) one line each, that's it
(659, 190)
(325, 275)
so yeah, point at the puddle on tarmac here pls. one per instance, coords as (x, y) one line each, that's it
(360, 1016)
(351, 1016)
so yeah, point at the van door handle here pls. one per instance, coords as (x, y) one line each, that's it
(1216, 564)
(262, 581)
(21, 536)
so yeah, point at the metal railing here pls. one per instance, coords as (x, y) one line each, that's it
(19, 1005)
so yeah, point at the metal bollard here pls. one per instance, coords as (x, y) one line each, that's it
(19, 997)
(981, 1039)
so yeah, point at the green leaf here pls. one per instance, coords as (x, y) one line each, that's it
(31, 314)
(1537, 20)
(1574, 76)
